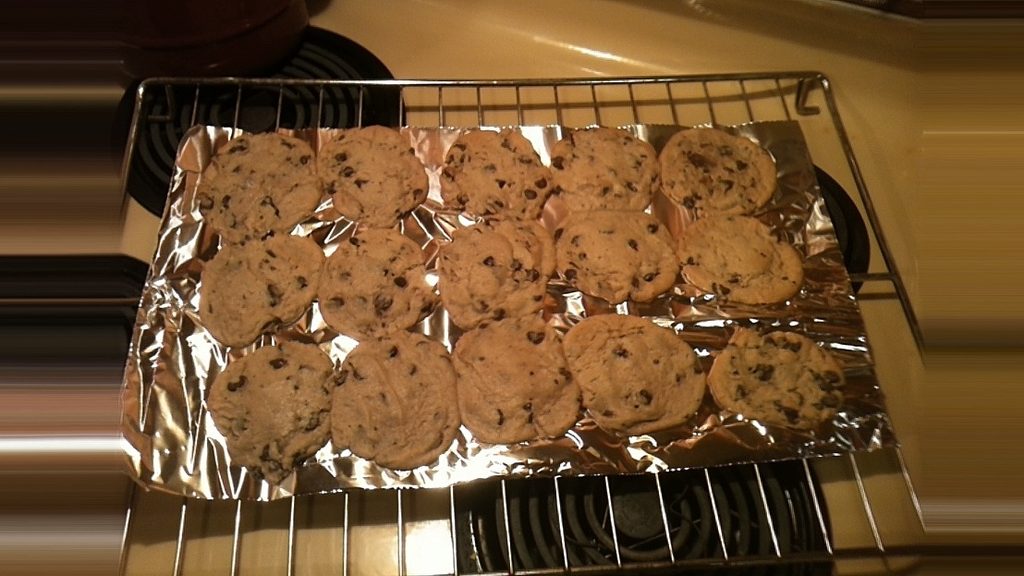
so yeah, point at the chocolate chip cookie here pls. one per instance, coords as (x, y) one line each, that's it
(604, 169)
(258, 183)
(737, 258)
(374, 284)
(372, 175)
(248, 288)
(396, 402)
(495, 270)
(513, 382)
(273, 407)
(495, 174)
(711, 171)
(636, 377)
(780, 378)
(616, 255)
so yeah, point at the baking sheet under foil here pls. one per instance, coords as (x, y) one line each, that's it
(173, 445)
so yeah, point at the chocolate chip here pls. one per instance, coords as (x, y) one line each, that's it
(649, 277)
(690, 261)
(501, 417)
(337, 301)
(304, 160)
(237, 148)
(528, 406)
(645, 396)
(490, 168)
(607, 413)
(535, 337)
(621, 352)
(499, 313)
(348, 172)
(741, 165)
(501, 183)
(582, 256)
(268, 201)
(275, 294)
(734, 279)
(278, 363)
(558, 234)
(312, 423)
(354, 241)
(558, 162)
(232, 386)
(401, 282)
(575, 240)
(302, 281)
(459, 146)
(728, 184)
(530, 194)
(652, 228)
(741, 392)
(340, 157)
(632, 244)
(381, 303)
(516, 265)
(791, 346)
(225, 201)
(393, 352)
(792, 414)
(570, 274)
(764, 372)
(412, 370)
(689, 202)
(532, 274)
(697, 160)
(541, 184)
(462, 199)
(205, 202)
(489, 261)
(565, 373)
(538, 297)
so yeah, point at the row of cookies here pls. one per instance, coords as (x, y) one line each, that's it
(262, 183)
(399, 400)
(375, 282)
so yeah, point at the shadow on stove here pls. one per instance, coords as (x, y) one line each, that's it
(535, 534)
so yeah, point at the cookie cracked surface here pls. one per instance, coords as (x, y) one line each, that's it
(373, 175)
(513, 382)
(395, 402)
(256, 184)
(495, 270)
(636, 377)
(737, 258)
(604, 169)
(711, 171)
(616, 255)
(273, 407)
(373, 284)
(495, 174)
(247, 288)
(780, 378)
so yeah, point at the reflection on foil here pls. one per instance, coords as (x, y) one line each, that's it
(173, 445)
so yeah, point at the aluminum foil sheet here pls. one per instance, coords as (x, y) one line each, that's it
(173, 445)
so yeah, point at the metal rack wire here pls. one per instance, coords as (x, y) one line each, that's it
(715, 99)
